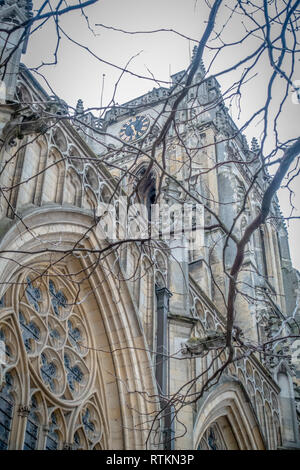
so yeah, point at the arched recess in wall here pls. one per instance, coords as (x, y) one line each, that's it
(270, 428)
(28, 174)
(146, 299)
(89, 199)
(147, 187)
(57, 389)
(54, 177)
(200, 363)
(73, 188)
(287, 406)
(59, 139)
(266, 234)
(22, 171)
(227, 409)
(76, 159)
(91, 178)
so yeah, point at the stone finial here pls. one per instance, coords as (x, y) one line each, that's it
(202, 67)
(254, 145)
(245, 147)
(79, 107)
(201, 63)
(194, 52)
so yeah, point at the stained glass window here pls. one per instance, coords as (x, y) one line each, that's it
(33, 294)
(87, 423)
(5, 352)
(57, 298)
(74, 374)
(53, 437)
(212, 440)
(32, 427)
(59, 365)
(74, 334)
(54, 334)
(77, 441)
(48, 371)
(29, 331)
(6, 411)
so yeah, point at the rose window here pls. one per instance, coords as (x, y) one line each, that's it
(49, 381)
(55, 335)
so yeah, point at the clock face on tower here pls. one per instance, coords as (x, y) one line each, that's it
(134, 128)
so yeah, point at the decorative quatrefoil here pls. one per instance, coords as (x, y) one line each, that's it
(88, 424)
(33, 294)
(48, 371)
(74, 373)
(57, 298)
(29, 332)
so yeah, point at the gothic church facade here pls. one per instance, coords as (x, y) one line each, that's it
(90, 341)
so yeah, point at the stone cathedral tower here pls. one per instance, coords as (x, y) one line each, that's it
(87, 340)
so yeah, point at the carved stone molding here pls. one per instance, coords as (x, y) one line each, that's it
(67, 446)
(23, 411)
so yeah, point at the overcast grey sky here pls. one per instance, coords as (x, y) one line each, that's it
(79, 75)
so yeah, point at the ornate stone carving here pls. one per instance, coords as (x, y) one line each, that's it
(23, 411)
(199, 346)
(67, 446)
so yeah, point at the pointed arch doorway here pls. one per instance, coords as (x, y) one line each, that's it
(72, 365)
(227, 421)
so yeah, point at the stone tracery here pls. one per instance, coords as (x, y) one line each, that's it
(56, 362)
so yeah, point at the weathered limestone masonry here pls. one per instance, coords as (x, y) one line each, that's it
(73, 363)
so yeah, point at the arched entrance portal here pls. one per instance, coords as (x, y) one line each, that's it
(68, 333)
(218, 436)
(227, 421)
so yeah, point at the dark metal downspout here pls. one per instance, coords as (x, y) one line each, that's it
(162, 364)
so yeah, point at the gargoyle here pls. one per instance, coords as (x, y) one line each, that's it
(21, 126)
(199, 346)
